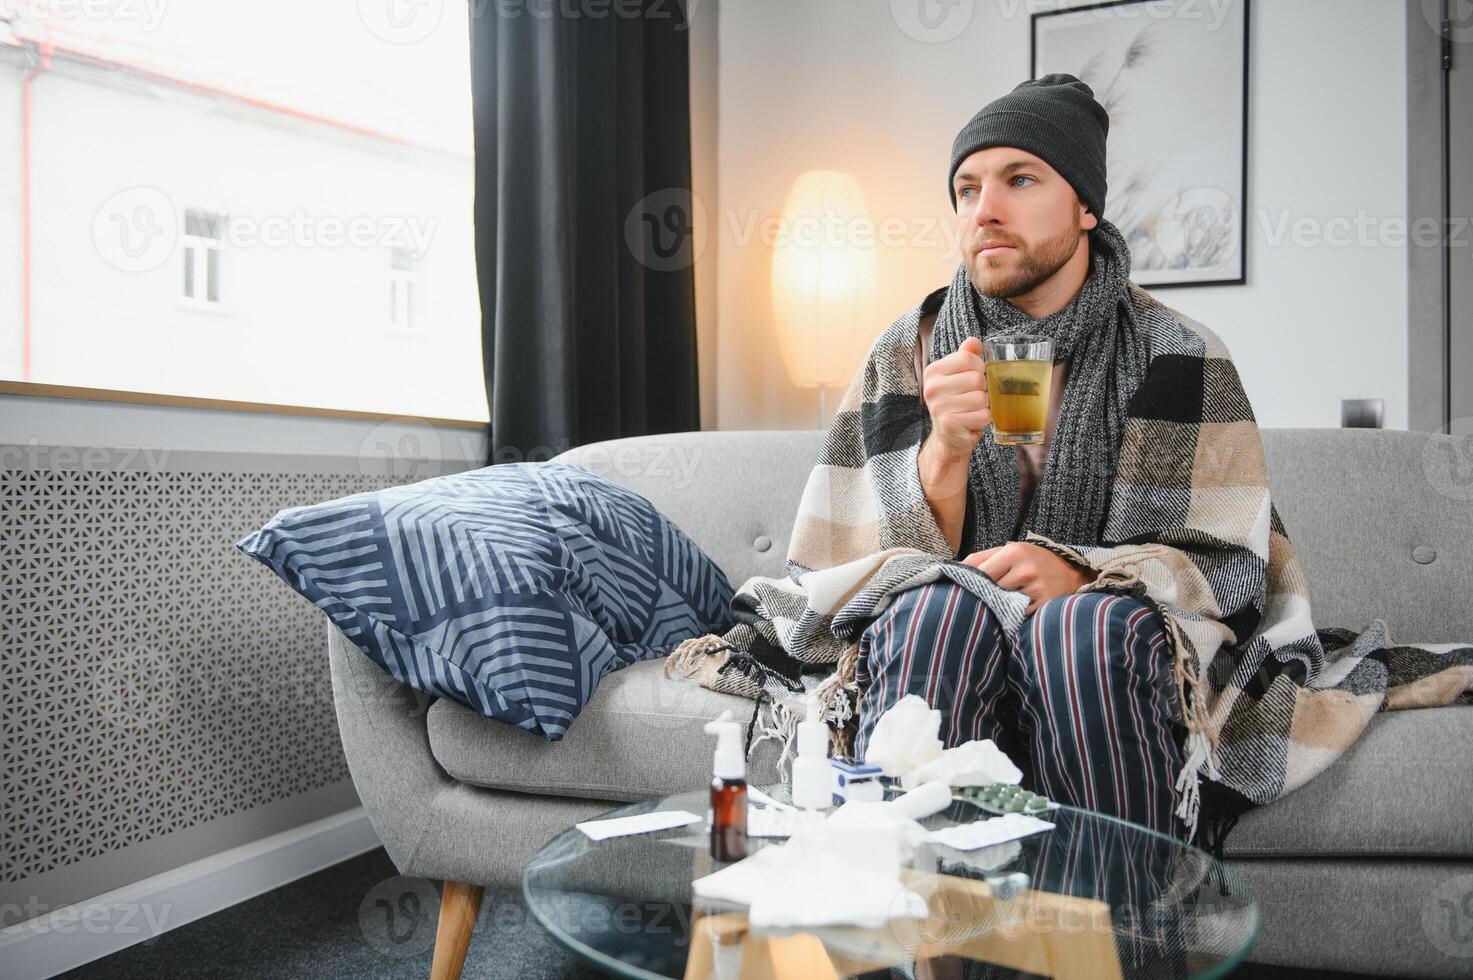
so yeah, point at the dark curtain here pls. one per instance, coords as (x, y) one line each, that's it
(583, 217)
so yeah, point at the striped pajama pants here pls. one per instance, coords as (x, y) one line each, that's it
(1084, 703)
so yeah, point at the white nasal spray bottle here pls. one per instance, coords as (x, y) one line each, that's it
(812, 778)
(728, 816)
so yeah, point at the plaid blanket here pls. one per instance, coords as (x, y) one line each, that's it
(1269, 701)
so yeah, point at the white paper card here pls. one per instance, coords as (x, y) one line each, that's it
(639, 823)
(982, 833)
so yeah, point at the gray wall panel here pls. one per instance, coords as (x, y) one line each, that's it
(162, 696)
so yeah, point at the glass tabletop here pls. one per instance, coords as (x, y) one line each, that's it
(1059, 903)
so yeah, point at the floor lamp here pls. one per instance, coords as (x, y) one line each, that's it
(823, 281)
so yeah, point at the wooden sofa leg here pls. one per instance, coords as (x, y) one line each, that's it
(459, 905)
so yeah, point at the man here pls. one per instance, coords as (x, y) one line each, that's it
(1121, 610)
(1083, 701)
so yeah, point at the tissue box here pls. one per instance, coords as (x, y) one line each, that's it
(855, 781)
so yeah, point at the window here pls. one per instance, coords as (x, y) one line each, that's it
(201, 250)
(276, 160)
(403, 290)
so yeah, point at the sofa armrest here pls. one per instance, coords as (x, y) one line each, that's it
(387, 745)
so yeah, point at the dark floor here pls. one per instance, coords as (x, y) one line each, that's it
(357, 919)
(360, 920)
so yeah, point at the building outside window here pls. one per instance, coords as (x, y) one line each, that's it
(274, 161)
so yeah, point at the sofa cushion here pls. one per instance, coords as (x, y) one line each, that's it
(640, 736)
(1402, 789)
(1379, 521)
(1408, 561)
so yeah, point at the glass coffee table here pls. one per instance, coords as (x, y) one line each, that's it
(1095, 897)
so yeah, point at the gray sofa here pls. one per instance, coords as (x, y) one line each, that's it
(1354, 870)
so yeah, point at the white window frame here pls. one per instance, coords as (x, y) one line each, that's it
(195, 251)
(406, 293)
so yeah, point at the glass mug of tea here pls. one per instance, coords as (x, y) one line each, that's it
(1019, 370)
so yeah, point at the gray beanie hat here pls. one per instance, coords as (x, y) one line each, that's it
(1055, 118)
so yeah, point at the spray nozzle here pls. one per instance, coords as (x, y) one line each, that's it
(730, 763)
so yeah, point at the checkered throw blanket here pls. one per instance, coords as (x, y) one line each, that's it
(1268, 700)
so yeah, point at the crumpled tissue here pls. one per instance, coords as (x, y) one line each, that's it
(907, 735)
(840, 870)
(822, 876)
(906, 745)
(974, 763)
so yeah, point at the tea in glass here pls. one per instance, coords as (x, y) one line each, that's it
(1019, 371)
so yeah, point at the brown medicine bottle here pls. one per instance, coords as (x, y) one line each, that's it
(728, 812)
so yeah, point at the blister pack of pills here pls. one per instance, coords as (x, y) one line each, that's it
(1005, 798)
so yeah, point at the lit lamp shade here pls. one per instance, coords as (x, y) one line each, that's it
(823, 280)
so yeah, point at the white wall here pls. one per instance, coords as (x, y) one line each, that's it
(805, 84)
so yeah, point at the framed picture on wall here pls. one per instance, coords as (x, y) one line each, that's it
(1173, 75)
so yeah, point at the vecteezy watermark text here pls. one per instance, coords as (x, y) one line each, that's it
(1361, 230)
(409, 21)
(94, 918)
(1214, 12)
(148, 14)
(33, 455)
(138, 229)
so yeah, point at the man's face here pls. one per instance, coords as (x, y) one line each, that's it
(1012, 198)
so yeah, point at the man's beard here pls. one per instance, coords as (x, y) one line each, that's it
(1033, 268)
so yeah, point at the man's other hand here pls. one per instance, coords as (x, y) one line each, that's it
(1036, 572)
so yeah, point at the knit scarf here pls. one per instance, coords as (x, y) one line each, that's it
(1097, 334)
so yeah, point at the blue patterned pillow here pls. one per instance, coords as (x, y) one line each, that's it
(510, 589)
